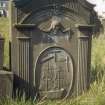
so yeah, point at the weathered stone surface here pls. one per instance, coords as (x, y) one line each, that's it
(50, 53)
(6, 84)
(21, 2)
(1, 52)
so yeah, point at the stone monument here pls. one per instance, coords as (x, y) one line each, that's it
(51, 46)
(6, 77)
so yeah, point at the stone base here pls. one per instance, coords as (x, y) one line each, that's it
(6, 83)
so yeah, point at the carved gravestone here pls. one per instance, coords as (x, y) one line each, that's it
(51, 46)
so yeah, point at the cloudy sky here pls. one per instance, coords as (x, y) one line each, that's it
(100, 5)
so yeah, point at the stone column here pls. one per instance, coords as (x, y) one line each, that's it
(84, 57)
(24, 63)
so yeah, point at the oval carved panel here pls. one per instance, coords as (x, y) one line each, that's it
(54, 73)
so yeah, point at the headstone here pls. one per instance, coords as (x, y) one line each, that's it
(6, 84)
(6, 77)
(1, 52)
(51, 47)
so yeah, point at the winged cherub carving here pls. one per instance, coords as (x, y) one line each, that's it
(54, 24)
(55, 21)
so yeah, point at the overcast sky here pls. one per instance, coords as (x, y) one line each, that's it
(100, 5)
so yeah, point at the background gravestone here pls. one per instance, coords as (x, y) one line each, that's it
(51, 46)
(6, 77)
(6, 84)
(1, 52)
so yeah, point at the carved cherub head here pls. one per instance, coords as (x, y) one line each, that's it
(55, 21)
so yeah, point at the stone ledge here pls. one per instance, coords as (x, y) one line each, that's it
(6, 84)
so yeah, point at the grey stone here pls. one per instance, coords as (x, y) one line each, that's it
(51, 47)
(6, 84)
(1, 52)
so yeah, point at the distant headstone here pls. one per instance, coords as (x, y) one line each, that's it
(1, 52)
(6, 84)
(6, 77)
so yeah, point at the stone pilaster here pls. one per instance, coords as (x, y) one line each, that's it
(84, 57)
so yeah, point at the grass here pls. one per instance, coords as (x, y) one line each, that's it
(98, 57)
(96, 93)
(4, 31)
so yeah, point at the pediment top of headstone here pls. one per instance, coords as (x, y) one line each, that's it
(84, 3)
